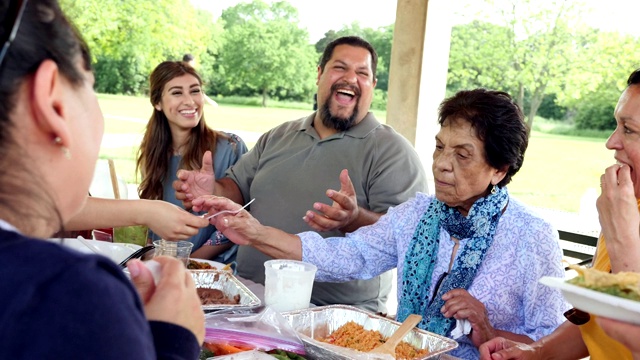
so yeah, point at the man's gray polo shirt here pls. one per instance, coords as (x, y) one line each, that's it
(290, 168)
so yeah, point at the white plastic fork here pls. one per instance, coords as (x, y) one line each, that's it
(86, 243)
(228, 211)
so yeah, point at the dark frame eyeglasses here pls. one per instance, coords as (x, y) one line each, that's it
(13, 33)
(577, 317)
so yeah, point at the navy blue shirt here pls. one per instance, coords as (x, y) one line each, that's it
(56, 303)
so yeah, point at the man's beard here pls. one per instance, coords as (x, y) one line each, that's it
(334, 122)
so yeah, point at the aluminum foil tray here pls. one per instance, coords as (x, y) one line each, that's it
(228, 284)
(319, 322)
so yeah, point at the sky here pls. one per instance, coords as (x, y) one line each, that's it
(319, 17)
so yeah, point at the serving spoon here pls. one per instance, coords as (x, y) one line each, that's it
(389, 346)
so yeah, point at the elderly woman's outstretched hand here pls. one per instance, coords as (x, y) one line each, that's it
(241, 228)
(461, 305)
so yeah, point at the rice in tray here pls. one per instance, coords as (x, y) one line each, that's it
(317, 323)
(354, 336)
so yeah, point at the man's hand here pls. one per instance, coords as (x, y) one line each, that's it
(194, 183)
(341, 213)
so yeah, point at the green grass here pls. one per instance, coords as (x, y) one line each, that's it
(557, 170)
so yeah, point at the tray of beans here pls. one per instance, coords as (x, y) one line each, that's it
(219, 289)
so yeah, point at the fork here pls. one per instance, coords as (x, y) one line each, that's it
(136, 254)
(228, 211)
(90, 246)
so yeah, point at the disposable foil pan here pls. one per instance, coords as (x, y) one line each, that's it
(228, 284)
(319, 322)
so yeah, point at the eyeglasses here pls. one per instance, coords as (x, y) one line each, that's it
(14, 31)
(577, 317)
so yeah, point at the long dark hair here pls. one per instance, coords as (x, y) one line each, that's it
(156, 149)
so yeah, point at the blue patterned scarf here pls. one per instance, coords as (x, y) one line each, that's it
(479, 227)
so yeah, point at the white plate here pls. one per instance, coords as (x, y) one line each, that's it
(596, 302)
(114, 251)
(216, 265)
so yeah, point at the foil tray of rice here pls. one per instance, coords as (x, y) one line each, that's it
(231, 293)
(317, 323)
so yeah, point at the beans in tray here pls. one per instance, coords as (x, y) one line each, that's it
(221, 290)
(216, 296)
(199, 265)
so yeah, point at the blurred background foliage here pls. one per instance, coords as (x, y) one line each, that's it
(553, 64)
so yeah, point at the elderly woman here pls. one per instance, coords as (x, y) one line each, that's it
(57, 303)
(469, 253)
(618, 250)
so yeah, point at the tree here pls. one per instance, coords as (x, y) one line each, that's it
(479, 57)
(593, 85)
(265, 50)
(128, 38)
(207, 53)
(540, 39)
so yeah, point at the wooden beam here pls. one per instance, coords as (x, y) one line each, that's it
(406, 66)
(418, 72)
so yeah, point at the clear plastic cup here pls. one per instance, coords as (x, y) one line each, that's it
(288, 284)
(177, 249)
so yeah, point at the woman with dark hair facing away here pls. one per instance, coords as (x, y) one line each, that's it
(58, 303)
(177, 137)
(468, 258)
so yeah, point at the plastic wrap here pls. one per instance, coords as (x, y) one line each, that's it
(258, 329)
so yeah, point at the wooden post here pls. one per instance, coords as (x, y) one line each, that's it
(114, 179)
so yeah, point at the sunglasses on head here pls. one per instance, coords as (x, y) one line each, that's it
(14, 31)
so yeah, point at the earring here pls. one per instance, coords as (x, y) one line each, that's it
(64, 149)
(494, 189)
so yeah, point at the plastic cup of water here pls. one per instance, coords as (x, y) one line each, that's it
(288, 284)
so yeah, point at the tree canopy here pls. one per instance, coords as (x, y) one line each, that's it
(539, 51)
(265, 50)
